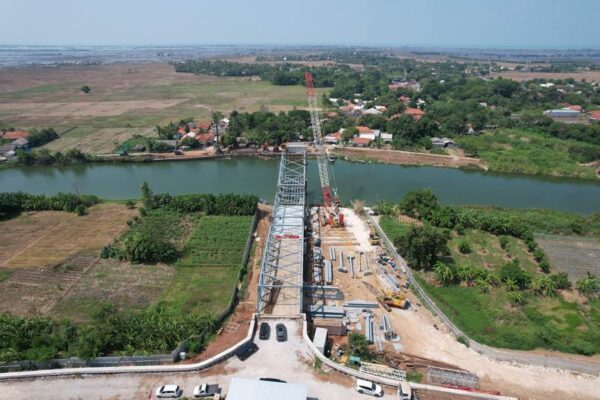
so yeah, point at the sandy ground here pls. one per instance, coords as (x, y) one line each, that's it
(289, 361)
(409, 158)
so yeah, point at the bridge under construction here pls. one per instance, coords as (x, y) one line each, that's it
(280, 285)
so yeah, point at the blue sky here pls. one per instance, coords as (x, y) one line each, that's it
(454, 23)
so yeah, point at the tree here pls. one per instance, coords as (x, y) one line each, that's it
(86, 89)
(190, 142)
(419, 203)
(147, 196)
(423, 246)
(349, 133)
(358, 345)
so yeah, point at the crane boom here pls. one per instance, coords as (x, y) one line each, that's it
(316, 127)
(330, 198)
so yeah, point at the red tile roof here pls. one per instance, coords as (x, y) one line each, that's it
(359, 140)
(574, 108)
(416, 113)
(204, 125)
(335, 135)
(404, 99)
(364, 129)
(12, 135)
(332, 114)
(595, 115)
(205, 137)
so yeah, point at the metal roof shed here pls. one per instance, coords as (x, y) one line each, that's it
(251, 389)
(320, 339)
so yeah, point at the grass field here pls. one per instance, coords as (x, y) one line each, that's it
(561, 322)
(514, 151)
(126, 99)
(205, 275)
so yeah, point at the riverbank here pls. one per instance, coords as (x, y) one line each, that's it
(400, 157)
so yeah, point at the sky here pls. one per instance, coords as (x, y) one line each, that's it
(428, 23)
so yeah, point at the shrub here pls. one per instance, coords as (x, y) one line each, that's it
(463, 339)
(561, 280)
(143, 247)
(538, 254)
(589, 286)
(503, 241)
(516, 298)
(514, 273)
(544, 265)
(464, 247)
(444, 273)
(130, 204)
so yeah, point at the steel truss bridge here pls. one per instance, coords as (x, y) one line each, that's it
(280, 285)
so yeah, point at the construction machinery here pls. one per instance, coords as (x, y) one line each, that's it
(393, 299)
(331, 202)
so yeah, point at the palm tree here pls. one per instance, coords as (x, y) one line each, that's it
(444, 274)
(511, 285)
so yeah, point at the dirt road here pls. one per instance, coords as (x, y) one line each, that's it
(409, 158)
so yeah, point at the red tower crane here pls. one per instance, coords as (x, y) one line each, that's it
(331, 200)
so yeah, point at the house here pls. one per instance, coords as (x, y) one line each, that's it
(574, 107)
(415, 113)
(333, 138)
(206, 139)
(203, 126)
(4, 150)
(363, 129)
(404, 99)
(12, 135)
(442, 143)
(360, 142)
(594, 116)
(371, 111)
(562, 113)
(20, 143)
(411, 84)
(547, 85)
(386, 137)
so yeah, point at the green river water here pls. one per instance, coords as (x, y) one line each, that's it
(368, 182)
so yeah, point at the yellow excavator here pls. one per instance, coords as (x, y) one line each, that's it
(393, 299)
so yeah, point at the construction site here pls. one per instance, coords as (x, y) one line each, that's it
(327, 263)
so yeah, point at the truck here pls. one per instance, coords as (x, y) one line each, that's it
(206, 390)
(404, 391)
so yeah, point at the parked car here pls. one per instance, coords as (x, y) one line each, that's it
(206, 390)
(368, 387)
(264, 331)
(169, 391)
(281, 332)
(272, 380)
(404, 391)
(246, 350)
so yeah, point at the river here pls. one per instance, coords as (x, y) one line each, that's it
(369, 182)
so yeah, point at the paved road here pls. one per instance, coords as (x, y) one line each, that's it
(289, 361)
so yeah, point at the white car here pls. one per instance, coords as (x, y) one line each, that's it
(404, 391)
(169, 391)
(368, 387)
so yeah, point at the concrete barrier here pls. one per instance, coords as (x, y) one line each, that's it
(137, 368)
(390, 382)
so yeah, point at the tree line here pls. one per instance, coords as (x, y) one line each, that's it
(15, 202)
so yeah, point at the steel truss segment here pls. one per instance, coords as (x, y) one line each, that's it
(281, 278)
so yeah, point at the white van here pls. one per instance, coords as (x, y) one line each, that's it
(404, 391)
(368, 387)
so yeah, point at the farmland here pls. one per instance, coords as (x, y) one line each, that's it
(125, 100)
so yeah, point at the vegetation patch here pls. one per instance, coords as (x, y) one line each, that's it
(485, 271)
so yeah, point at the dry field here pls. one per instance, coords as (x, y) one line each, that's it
(127, 98)
(42, 239)
(45, 254)
(122, 284)
(574, 255)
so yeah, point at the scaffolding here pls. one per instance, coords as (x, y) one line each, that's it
(383, 371)
(453, 377)
(280, 285)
